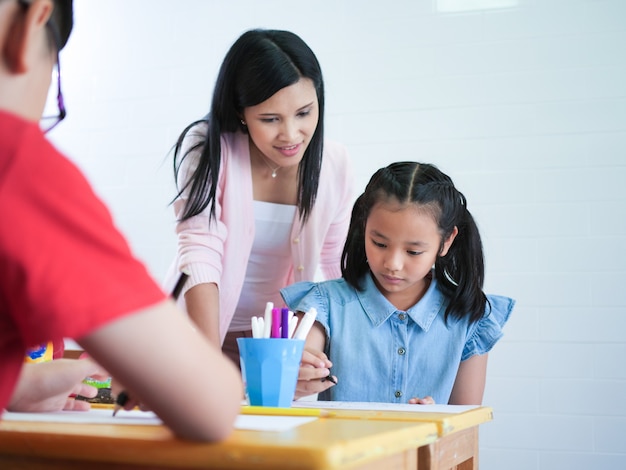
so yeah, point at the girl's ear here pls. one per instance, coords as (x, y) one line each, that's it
(26, 27)
(448, 243)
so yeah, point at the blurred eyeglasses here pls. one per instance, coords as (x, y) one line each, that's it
(47, 123)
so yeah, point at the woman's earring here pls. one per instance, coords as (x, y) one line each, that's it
(243, 123)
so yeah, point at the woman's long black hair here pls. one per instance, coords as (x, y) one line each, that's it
(461, 272)
(260, 63)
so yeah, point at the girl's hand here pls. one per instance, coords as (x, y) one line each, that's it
(427, 400)
(314, 372)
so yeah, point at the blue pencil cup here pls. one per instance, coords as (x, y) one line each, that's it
(270, 367)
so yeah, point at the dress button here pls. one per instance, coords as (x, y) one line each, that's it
(296, 240)
(300, 268)
(398, 394)
(401, 351)
(402, 316)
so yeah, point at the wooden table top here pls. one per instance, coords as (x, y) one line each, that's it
(447, 423)
(325, 443)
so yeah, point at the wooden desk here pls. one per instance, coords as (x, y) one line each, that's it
(457, 445)
(326, 443)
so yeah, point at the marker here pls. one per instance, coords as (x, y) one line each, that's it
(305, 324)
(257, 327)
(275, 323)
(330, 378)
(284, 322)
(293, 323)
(267, 325)
(179, 285)
(120, 401)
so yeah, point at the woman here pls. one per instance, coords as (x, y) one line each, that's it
(263, 200)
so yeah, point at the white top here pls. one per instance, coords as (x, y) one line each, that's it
(269, 263)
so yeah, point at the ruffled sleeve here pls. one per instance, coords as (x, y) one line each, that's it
(488, 330)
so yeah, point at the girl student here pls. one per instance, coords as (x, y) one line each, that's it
(263, 199)
(408, 322)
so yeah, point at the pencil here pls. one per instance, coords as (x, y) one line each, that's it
(122, 398)
(271, 411)
(120, 401)
(331, 378)
(179, 285)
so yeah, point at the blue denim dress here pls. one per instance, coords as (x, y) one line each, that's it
(381, 354)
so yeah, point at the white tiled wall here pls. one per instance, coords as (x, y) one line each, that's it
(524, 107)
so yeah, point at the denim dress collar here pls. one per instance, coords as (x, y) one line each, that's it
(378, 309)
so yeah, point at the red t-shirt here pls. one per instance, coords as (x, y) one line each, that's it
(65, 269)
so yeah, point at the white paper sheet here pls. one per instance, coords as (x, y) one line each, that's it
(374, 406)
(94, 416)
(270, 423)
(104, 416)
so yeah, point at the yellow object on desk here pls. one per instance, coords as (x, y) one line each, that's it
(102, 406)
(41, 353)
(449, 418)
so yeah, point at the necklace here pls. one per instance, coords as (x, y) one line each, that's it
(254, 150)
(274, 170)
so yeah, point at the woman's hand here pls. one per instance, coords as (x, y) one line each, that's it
(314, 373)
(49, 386)
(427, 400)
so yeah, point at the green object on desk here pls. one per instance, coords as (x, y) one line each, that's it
(98, 383)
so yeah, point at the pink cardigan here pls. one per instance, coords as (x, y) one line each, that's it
(220, 255)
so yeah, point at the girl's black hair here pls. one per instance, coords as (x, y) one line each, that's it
(260, 63)
(460, 273)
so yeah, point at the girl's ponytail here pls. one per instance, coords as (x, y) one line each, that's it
(461, 272)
